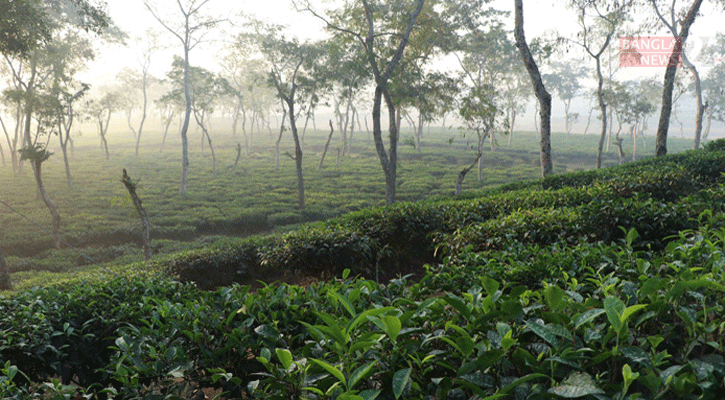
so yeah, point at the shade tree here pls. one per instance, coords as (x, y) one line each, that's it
(293, 67)
(679, 21)
(713, 85)
(189, 25)
(565, 80)
(598, 22)
(543, 95)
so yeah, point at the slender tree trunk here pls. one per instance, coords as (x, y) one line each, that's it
(5, 283)
(12, 146)
(146, 236)
(185, 125)
(464, 171)
(298, 151)
(279, 139)
(669, 82)
(239, 155)
(541, 93)
(327, 145)
(143, 115)
(205, 132)
(701, 107)
(64, 150)
(52, 207)
(603, 110)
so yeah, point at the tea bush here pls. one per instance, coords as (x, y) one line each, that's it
(610, 290)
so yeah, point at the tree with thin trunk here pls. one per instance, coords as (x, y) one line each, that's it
(598, 22)
(669, 81)
(190, 32)
(146, 233)
(541, 93)
(565, 80)
(378, 18)
(713, 85)
(101, 110)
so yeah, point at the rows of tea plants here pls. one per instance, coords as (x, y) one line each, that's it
(250, 198)
(607, 289)
(605, 321)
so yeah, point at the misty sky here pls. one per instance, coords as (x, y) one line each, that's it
(541, 18)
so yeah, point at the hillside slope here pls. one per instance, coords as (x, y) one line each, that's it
(595, 285)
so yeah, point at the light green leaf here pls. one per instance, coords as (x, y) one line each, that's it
(587, 317)
(359, 374)
(577, 384)
(400, 381)
(614, 308)
(543, 332)
(631, 310)
(285, 357)
(392, 326)
(336, 296)
(332, 370)
(490, 285)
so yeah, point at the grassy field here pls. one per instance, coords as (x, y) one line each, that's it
(98, 217)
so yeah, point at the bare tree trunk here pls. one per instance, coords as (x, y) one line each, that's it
(464, 171)
(327, 145)
(205, 132)
(5, 283)
(701, 107)
(298, 152)
(669, 82)
(146, 236)
(185, 126)
(239, 155)
(143, 115)
(166, 131)
(279, 139)
(603, 110)
(541, 93)
(620, 151)
(52, 207)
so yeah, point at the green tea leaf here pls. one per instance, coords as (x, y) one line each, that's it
(543, 332)
(392, 326)
(490, 285)
(400, 381)
(285, 357)
(359, 374)
(587, 316)
(554, 297)
(331, 369)
(370, 394)
(631, 310)
(614, 308)
(577, 384)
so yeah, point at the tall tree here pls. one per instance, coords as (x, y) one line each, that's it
(205, 91)
(101, 110)
(34, 49)
(383, 29)
(539, 89)
(565, 80)
(598, 22)
(190, 32)
(671, 70)
(292, 67)
(713, 85)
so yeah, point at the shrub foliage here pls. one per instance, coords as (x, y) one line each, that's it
(597, 285)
